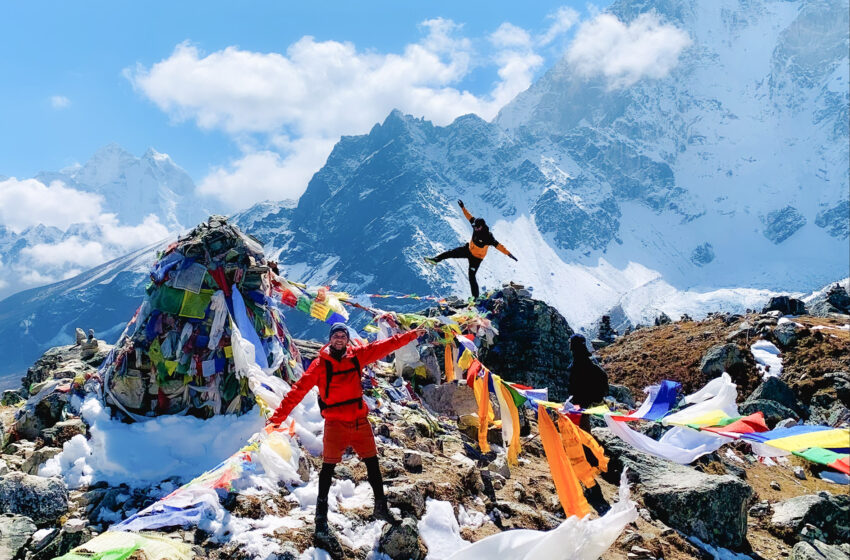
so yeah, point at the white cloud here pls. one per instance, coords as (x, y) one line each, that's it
(623, 54)
(95, 238)
(59, 102)
(300, 102)
(562, 21)
(30, 202)
(74, 251)
(266, 175)
(509, 35)
(123, 237)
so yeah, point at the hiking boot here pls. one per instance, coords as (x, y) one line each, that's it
(429, 260)
(324, 536)
(382, 511)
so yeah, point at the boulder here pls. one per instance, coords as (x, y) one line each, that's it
(500, 467)
(452, 399)
(786, 334)
(712, 508)
(74, 533)
(773, 411)
(820, 551)
(774, 389)
(829, 515)
(663, 319)
(11, 397)
(44, 500)
(63, 431)
(408, 498)
(621, 394)
(720, 358)
(835, 300)
(402, 542)
(15, 532)
(412, 461)
(34, 417)
(785, 305)
(532, 345)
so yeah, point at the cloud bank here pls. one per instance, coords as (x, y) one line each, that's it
(622, 53)
(287, 110)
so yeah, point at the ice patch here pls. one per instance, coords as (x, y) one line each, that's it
(767, 358)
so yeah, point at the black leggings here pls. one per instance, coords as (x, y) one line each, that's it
(463, 252)
(373, 472)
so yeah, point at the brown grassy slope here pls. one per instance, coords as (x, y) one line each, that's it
(674, 351)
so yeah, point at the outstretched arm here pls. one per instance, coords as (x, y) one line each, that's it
(466, 213)
(296, 393)
(503, 249)
(377, 350)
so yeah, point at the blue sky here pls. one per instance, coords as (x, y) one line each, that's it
(65, 67)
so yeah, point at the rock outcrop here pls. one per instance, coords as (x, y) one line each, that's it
(532, 346)
(712, 508)
(43, 500)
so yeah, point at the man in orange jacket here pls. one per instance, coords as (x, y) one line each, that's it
(475, 250)
(337, 373)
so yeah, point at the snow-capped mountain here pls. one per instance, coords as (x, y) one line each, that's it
(137, 196)
(709, 188)
(134, 187)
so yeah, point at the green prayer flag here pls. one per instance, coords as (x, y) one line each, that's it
(195, 306)
(519, 400)
(819, 455)
(167, 299)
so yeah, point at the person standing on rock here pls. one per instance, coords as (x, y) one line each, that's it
(475, 251)
(587, 382)
(337, 373)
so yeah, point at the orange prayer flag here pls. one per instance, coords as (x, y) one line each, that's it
(568, 487)
(450, 362)
(575, 439)
(483, 410)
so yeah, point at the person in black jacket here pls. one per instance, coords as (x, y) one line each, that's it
(588, 383)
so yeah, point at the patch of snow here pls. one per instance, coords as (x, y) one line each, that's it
(767, 358)
(734, 456)
(143, 453)
(470, 519)
(440, 531)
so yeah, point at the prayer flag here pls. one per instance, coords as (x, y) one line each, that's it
(659, 400)
(449, 362)
(483, 397)
(567, 485)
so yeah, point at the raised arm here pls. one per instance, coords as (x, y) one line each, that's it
(466, 213)
(296, 393)
(377, 350)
